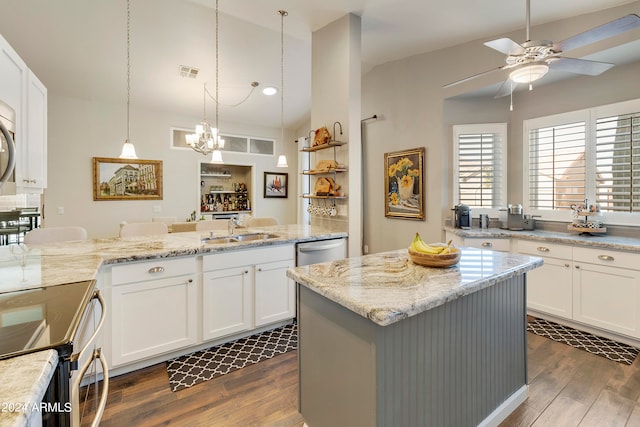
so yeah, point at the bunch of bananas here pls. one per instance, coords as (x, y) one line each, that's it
(419, 245)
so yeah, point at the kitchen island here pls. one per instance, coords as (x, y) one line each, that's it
(385, 342)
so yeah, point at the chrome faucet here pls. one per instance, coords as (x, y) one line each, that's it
(231, 226)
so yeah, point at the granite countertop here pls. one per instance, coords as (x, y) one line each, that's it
(24, 382)
(59, 263)
(604, 241)
(388, 287)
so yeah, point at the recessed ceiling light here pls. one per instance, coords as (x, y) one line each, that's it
(270, 90)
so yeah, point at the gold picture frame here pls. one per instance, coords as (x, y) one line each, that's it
(404, 183)
(126, 179)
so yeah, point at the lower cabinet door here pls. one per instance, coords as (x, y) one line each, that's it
(153, 317)
(275, 293)
(550, 288)
(227, 296)
(607, 298)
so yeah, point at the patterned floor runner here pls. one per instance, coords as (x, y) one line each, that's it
(604, 347)
(194, 368)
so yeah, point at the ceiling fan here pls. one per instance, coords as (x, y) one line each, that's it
(532, 59)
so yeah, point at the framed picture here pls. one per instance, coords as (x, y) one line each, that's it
(403, 182)
(126, 179)
(276, 184)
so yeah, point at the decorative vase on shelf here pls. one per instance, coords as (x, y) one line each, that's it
(405, 187)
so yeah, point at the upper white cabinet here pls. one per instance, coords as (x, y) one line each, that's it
(31, 172)
(13, 83)
(22, 90)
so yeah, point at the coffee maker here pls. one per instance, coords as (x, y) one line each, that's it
(462, 216)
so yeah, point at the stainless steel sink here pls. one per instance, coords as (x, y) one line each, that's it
(218, 240)
(254, 236)
(238, 238)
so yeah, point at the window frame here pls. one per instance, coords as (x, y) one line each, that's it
(482, 128)
(589, 116)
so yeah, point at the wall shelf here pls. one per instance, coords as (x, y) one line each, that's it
(324, 172)
(312, 196)
(330, 144)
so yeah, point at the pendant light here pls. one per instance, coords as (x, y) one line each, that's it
(282, 159)
(128, 150)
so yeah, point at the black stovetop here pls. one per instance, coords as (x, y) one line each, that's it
(41, 318)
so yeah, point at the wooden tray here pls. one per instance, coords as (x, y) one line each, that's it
(599, 230)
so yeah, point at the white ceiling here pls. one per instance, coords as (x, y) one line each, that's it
(78, 47)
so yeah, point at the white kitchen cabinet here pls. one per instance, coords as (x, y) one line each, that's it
(549, 287)
(275, 292)
(606, 290)
(31, 170)
(502, 245)
(227, 300)
(154, 308)
(13, 75)
(246, 289)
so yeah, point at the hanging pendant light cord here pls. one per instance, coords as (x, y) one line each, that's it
(283, 13)
(217, 57)
(128, 65)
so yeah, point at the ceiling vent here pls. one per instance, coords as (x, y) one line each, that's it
(188, 72)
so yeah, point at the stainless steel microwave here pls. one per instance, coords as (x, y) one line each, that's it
(7, 150)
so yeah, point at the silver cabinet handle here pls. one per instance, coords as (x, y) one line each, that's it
(566, 265)
(606, 257)
(487, 244)
(189, 281)
(542, 249)
(577, 267)
(259, 269)
(246, 272)
(156, 270)
(75, 391)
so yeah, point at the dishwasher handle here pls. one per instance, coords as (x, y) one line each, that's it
(319, 247)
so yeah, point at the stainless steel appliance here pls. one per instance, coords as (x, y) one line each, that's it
(462, 216)
(7, 150)
(321, 251)
(56, 317)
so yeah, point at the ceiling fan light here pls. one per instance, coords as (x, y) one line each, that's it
(529, 73)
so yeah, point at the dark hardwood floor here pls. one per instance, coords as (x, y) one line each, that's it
(567, 387)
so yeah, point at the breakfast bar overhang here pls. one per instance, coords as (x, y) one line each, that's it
(385, 342)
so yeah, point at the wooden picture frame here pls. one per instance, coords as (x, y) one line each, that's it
(276, 184)
(404, 183)
(126, 179)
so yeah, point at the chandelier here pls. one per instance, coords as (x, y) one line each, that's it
(207, 140)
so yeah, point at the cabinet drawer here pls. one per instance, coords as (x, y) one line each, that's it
(491, 244)
(607, 257)
(230, 259)
(152, 270)
(544, 249)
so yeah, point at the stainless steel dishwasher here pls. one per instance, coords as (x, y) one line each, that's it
(321, 251)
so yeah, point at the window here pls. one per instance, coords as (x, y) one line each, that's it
(557, 166)
(232, 143)
(589, 155)
(480, 165)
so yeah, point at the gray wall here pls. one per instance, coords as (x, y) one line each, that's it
(416, 111)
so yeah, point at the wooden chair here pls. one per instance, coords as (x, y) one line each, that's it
(261, 222)
(9, 226)
(143, 229)
(55, 234)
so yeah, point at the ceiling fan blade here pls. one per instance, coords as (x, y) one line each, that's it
(610, 29)
(579, 66)
(472, 77)
(506, 46)
(505, 89)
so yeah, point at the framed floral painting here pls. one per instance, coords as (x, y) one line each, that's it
(404, 179)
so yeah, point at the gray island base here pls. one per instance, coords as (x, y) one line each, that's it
(384, 342)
